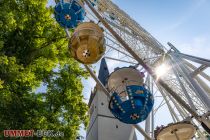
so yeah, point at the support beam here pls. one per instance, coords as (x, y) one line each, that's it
(204, 85)
(183, 87)
(148, 120)
(200, 92)
(178, 108)
(67, 33)
(181, 110)
(120, 60)
(203, 74)
(97, 81)
(152, 113)
(152, 123)
(171, 110)
(132, 134)
(142, 132)
(198, 70)
(189, 57)
(119, 51)
(147, 125)
(192, 58)
(121, 29)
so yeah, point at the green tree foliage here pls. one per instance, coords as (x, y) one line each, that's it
(33, 52)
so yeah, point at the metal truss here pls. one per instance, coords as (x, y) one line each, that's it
(146, 47)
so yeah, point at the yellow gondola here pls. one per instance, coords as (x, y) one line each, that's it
(87, 44)
(177, 131)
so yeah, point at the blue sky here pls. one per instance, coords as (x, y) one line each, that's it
(178, 21)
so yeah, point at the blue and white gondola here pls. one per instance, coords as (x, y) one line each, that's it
(69, 13)
(131, 102)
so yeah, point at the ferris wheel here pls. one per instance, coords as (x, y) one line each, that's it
(147, 76)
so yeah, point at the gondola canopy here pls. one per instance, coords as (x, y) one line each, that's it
(87, 44)
(69, 13)
(131, 101)
(180, 131)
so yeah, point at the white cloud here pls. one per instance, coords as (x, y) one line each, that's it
(199, 46)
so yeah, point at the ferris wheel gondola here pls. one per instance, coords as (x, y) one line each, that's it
(87, 44)
(176, 131)
(130, 101)
(69, 13)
